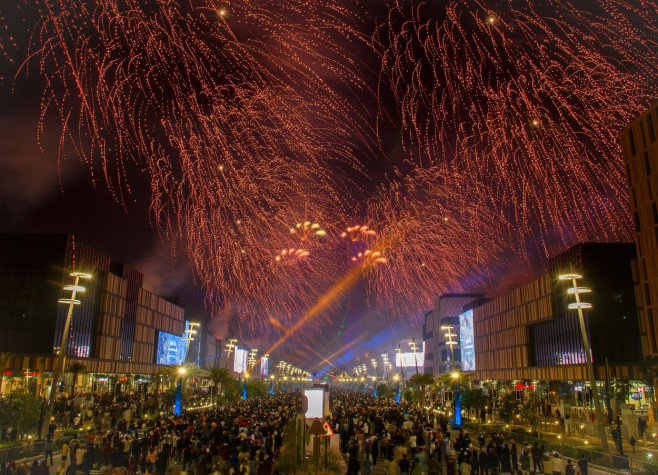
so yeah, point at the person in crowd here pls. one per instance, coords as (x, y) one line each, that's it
(48, 450)
(525, 463)
(582, 464)
(405, 465)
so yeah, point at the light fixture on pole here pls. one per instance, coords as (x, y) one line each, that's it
(414, 347)
(386, 364)
(188, 336)
(61, 354)
(580, 306)
(450, 343)
(229, 346)
(401, 364)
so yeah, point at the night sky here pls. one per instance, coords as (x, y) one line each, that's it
(463, 133)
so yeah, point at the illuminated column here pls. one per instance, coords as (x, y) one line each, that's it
(179, 392)
(458, 401)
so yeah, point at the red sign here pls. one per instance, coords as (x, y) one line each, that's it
(31, 375)
(525, 386)
(640, 389)
(6, 373)
(327, 430)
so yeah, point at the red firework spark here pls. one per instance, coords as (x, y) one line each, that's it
(244, 114)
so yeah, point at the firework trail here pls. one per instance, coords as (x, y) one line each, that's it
(509, 115)
(229, 110)
(246, 115)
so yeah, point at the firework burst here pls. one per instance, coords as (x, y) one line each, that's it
(244, 114)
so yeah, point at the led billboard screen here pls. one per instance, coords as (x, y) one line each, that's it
(408, 359)
(240, 362)
(264, 365)
(315, 403)
(171, 349)
(466, 340)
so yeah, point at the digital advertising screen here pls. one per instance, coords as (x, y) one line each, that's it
(315, 403)
(467, 340)
(171, 349)
(409, 359)
(264, 365)
(240, 362)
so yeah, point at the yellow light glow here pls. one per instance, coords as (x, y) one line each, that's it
(181, 370)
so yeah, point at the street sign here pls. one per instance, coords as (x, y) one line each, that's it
(327, 430)
(316, 428)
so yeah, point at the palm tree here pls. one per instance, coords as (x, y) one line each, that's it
(75, 369)
(421, 381)
(220, 377)
(452, 379)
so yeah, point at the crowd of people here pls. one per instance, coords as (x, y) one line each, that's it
(244, 437)
(408, 440)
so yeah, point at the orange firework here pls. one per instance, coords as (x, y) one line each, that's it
(241, 114)
(292, 254)
(357, 233)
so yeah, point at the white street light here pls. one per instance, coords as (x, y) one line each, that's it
(578, 305)
(61, 354)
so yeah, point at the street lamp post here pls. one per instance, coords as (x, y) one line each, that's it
(414, 347)
(189, 338)
(450, 343)
(399, 351)
(61, 355)
(579, 306)
(386, 362)
(229, 346)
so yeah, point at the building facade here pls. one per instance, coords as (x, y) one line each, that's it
(640, 152)
(116, 330)
(446, 311)
(530, 334)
